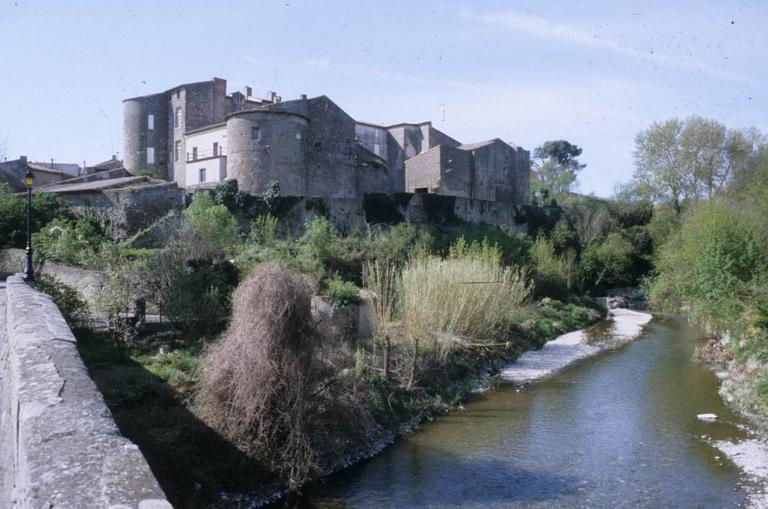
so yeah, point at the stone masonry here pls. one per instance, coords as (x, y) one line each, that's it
(60, 446)
(196, 134)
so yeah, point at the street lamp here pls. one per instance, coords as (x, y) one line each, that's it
(29, 271)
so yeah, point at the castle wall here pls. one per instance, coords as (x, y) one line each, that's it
(331, 169)
(441, 170)
(267, 146)
(138, 137)
(374, 138)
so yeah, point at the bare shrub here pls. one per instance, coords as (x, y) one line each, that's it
(257, 382)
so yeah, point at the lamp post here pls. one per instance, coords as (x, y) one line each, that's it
(29, 271)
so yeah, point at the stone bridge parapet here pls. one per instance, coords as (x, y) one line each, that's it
(60, 445)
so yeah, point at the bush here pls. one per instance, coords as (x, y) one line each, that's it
(554, 275)
(210, 229)
(258, 382)
(73, 242)
(342, 293)
(470, 294)
(607, 264)
(75, 310)
(13, 215)
(709, 266)
(193, 293)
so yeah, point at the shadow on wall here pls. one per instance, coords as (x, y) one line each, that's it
(191, 461)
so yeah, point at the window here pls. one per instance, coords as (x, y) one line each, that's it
(202, 174)
(377, 149)
(177, 150)
(194, 153)
(422, 190)
(150, 121)
(150, 155)
(215, 149)
(255, 133)
(177, 118)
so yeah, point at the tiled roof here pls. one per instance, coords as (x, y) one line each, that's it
(101, 185)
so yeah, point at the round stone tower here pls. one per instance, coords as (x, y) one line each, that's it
(267, 146)
(145, 134)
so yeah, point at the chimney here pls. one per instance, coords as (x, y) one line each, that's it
(247, 91)
(51, 162)
(114, 157)
(23, 160)
(303, 97)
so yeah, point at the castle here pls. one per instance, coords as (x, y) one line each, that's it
(197, 135)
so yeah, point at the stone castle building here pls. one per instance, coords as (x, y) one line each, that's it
(195, 134)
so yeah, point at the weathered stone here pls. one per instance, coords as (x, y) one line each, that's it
(66, 448)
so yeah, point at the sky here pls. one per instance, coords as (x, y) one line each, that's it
(592, 72)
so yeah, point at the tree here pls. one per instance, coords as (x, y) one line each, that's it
(683, 161)
(703, 152)
(660, 174)
(555, 167)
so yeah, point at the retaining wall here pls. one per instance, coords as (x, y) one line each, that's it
(64, 449)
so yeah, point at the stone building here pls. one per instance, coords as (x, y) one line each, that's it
(45, 173)
(196, 135)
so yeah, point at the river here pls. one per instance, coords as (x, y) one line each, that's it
(615, 430)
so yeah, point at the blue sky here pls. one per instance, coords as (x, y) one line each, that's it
(594, 73)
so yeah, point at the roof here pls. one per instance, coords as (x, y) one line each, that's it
(173, 89)
(109, 164)
(102, 185)
(208, 127)
(37, 167)
(480, 144)
(371, 124)
(401, 124)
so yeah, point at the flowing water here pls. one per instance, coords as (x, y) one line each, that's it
(616, 430)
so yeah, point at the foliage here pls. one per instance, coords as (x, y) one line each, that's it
(469, 294)
(556, 167)
(683, 161)
(77, 242)
(554, 275)
(125, 285)
(13, 215)
(709, 266)
(607, 264)
(264, 229)
(342, 293)
(193, 293)
(73, 307)
(210, 229)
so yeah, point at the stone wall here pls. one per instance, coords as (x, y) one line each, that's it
(61, 447)
(128, 209)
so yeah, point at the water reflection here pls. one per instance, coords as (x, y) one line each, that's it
(618, 430)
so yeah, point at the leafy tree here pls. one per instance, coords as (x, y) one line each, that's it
(211, 228)
(682, 161)
(607, 264)
(660, 174)
(704, 155)
(555, 167)
(13, 215)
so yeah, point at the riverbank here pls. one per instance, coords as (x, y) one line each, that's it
(740, 388)
(620, 327)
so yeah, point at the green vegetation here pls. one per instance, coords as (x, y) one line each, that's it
(13, 215)
(711, 185)
(555, 168)
(450, 302)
